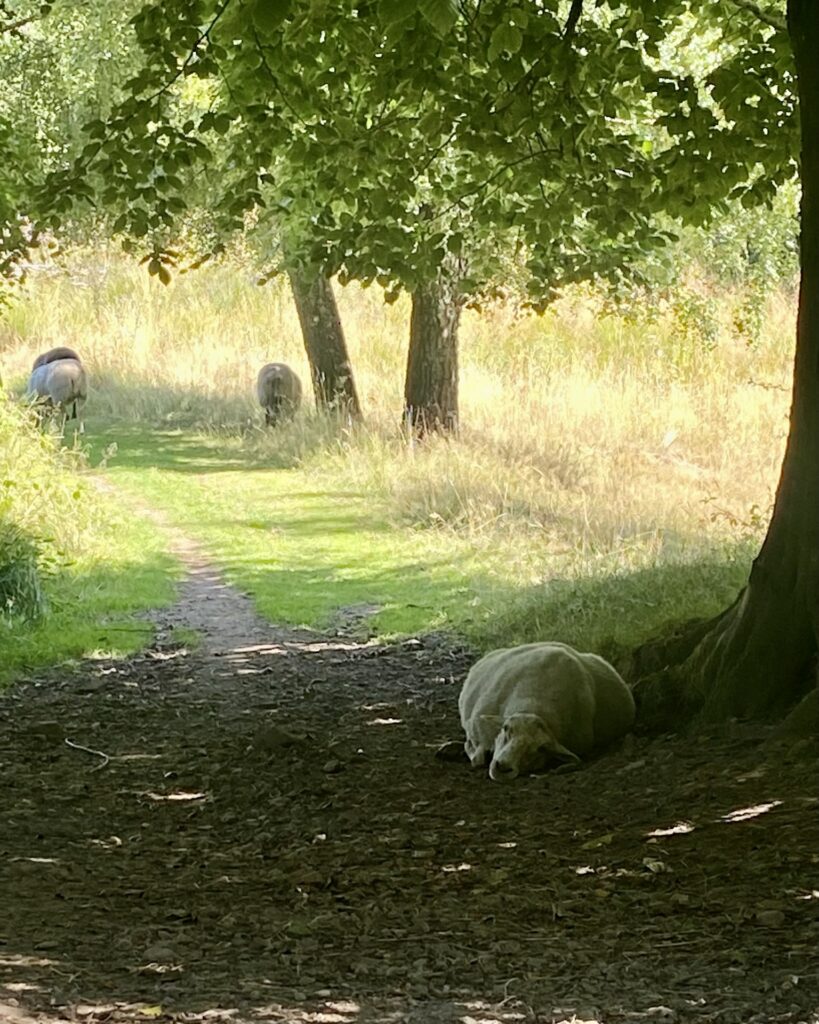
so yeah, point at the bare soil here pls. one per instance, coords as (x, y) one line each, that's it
(259, 829)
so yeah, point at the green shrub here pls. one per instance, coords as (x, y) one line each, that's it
(21, 588)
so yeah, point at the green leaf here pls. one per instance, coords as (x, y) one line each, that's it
(441, 14)
(505, 39)
(267, 15)
(394, 11)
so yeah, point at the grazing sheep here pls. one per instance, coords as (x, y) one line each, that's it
(538, 703)
(279, 392)
(53, 354)
(59, 386)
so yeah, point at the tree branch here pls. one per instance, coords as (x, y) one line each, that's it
(14, 26)
(768, 17)
(492, 178)
(572, 20)
(194, 51)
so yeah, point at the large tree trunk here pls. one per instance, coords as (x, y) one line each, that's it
(431, 386)
(324, 341)
(756, 659)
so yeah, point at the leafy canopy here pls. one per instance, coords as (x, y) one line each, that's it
(380, 136)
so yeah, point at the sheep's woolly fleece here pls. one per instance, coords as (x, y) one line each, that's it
(263, 833)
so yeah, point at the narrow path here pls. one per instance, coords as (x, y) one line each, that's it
(258, 831)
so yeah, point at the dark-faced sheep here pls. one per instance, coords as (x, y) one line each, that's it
(279, 392)
(59, 388)
(541, 702)
(53, 354)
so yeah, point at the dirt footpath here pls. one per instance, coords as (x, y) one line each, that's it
(259, 831)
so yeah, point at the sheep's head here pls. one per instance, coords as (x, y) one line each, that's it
(525, 744)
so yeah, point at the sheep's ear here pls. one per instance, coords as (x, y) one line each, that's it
(554, 749)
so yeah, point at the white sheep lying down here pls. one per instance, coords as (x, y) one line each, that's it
(541, 702)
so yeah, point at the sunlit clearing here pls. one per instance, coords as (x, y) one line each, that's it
(180, 795)
(744, 813)
(679, 829)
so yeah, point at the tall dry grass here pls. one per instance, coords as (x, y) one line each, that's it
(593, 440)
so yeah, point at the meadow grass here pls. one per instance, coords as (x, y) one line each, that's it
(614, 472)
(89, 565)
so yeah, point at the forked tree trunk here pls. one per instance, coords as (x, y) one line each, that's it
(756, 659)
(431, 386)
(324, 341)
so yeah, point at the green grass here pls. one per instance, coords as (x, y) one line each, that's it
(304, 543)
(614, 471)
(86, 563)
(94, 600)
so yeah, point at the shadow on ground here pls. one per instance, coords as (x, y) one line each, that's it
(268, 836)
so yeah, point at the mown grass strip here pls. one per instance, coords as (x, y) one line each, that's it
(313, 546)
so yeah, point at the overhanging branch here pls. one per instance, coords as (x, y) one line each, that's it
(572, 20)
(768, 17)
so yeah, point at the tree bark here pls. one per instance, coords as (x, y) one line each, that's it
(757, 657)
(324, 341)
(431, 386)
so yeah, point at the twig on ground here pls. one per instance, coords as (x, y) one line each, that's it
(88, 750)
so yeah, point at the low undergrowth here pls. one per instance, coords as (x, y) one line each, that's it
(73, 564)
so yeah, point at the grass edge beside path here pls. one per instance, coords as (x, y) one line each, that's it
(95, 595)
(313, 545)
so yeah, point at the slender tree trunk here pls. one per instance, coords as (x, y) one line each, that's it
(756, 659)
(324, 341)
(431, 387)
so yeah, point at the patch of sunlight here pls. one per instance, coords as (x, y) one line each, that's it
(385, 721)
(342, 1011)
(39, 860)
(812, 895)
(746, 813)
(180, 652)
(21, 960)
(675, 830)
(450, 868)
(156, 968)
(489, 1014)
(111, 843)
(507, 846)
(21, 986)
(179, 795)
